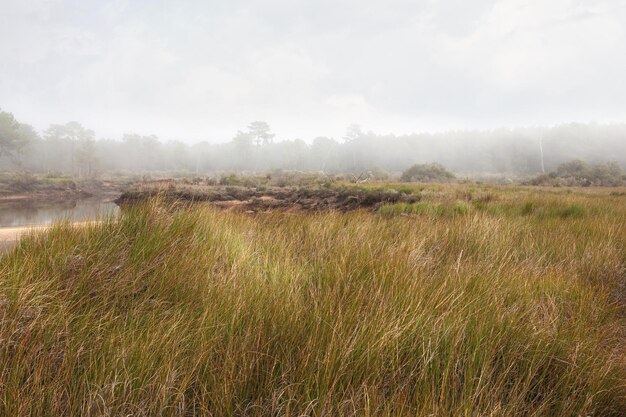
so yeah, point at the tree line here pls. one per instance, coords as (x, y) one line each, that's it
(73, 149)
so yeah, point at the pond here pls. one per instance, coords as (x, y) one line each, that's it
(32, 214)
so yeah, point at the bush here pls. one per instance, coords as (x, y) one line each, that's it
(427, 173)
(575, 168)
(378, 174)
(231, 179)
(580, 173)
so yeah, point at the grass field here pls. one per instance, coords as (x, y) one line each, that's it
(473, 301)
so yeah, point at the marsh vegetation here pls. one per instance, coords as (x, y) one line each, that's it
(476, 300)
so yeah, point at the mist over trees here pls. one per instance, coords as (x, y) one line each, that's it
(14, 136)
(73, 149)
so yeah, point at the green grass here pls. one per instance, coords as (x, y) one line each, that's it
(446, 209)
(482, 307)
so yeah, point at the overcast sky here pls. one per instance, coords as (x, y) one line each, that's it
(201, 70)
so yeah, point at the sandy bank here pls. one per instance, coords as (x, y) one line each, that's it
(10, 235)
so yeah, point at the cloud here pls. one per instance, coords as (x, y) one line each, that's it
(201, 70)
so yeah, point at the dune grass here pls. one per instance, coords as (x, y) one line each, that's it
(496, 309)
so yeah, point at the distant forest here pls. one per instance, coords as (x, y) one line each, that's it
(73, 149)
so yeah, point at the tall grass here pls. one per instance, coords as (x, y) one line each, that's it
(193, 311)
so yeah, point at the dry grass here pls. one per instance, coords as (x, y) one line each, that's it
(508, 307)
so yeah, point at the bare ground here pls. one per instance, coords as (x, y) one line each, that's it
(285, 199)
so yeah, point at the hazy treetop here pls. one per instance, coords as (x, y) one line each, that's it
(198, 70)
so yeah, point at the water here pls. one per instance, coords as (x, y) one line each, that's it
(31, 214)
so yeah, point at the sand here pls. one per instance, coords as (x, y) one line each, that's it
(9, 236)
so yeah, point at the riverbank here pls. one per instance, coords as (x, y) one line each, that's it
(31, 202)
(9, 236)
(26, 189)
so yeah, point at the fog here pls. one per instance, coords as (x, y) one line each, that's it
(164, 86)
(73, 149)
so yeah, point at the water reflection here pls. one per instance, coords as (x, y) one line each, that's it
(30, 213)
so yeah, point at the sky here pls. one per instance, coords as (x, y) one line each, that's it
(196, 70)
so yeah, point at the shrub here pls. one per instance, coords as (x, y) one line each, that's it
(379, 174)
(575, 168)
(405, 190)
(427, 173)
(580, 173)
(461, 207)
(231, 179)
